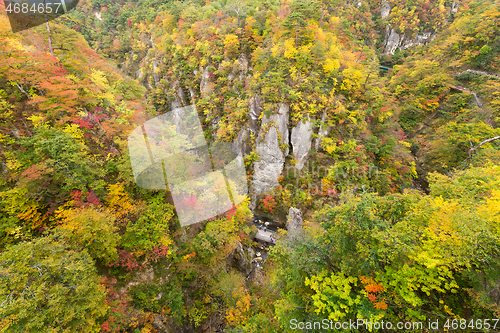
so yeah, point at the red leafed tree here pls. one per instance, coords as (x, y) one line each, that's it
(269, 203)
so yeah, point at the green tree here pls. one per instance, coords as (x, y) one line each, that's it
(47, 287)
(416, 256)
(151, 229)
(92, 229)
(62, 158)
(301, 12)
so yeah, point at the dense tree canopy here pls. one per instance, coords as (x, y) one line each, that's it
(46, 286)
(380, 119)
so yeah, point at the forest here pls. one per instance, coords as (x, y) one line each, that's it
(367, 136)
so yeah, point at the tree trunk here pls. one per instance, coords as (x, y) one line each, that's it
(50, 39)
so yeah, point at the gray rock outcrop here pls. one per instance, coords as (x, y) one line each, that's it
(301, 142)
(391, 40)
(240, 66)
(281, 123)
(205, 84)
(192, 94)
(139, 74)
(214, 126)
(422, 39)
(241, 146)
(394, 41)
(161, 324)
(141, 277)
(255, 111)
(269, 167)
(244, 262)
(273, 135)
(294, 222)
(179, 96)
(385, 9)
(243, 65)
(155, 72)
(323, 131)
(251, 253)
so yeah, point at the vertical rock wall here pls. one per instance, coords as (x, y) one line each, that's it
(294, 222)
(323, 131)
(273, 135)
(205, 84)
(394, 41)
(301, 142)
(179, 96)
(281, 122)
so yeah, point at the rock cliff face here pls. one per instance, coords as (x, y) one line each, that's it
(243, 66)
(180, 97)
(323, 131)
(244, 260)
(301, 142)
(294, 222)
(394, 41)
(272, 136)
(255, 111)
(281, 123)
(205, 84)
(240, 68)
(385, 9)
(241, 146)
(155, 72)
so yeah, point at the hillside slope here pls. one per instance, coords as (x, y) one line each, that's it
(355, 121)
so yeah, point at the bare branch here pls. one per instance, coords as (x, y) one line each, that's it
(474, 149)
(472, 154)
(27, 128)
(20, 87)
(239, 9)
(48, 30)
